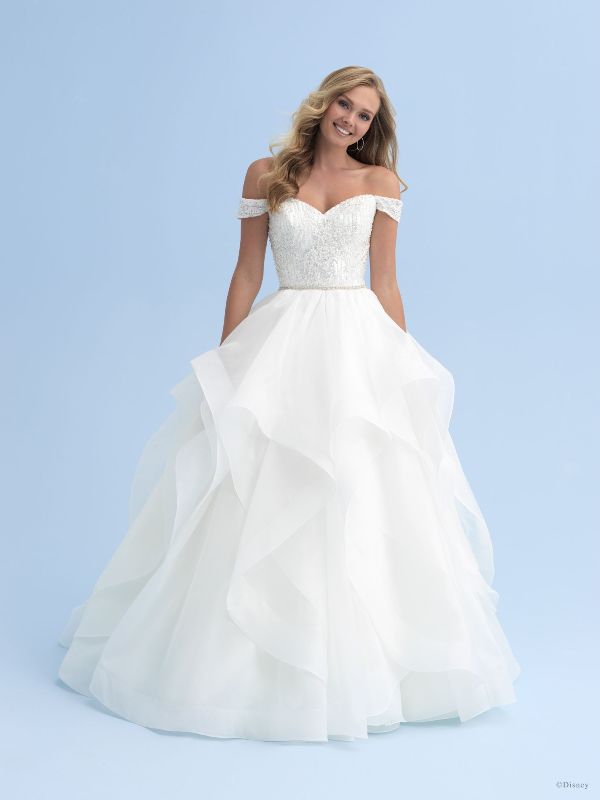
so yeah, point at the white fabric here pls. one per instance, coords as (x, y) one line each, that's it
(305, 558)
(313, 249)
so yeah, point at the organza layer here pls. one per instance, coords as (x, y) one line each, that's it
(305, 559)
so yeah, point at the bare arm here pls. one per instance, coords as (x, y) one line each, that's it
(248, 273)
(382, 254)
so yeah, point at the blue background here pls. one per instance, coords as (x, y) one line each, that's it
(127, 129)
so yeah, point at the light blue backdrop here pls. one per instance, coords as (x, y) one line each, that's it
(127, 129)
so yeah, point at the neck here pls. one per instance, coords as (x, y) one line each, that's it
(329, 157)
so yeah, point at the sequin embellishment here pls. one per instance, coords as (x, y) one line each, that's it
(321, 250)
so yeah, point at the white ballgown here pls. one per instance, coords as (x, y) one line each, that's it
(305, 559)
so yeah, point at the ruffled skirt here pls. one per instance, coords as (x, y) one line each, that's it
(305, 559)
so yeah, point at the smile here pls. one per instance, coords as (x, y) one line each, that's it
(341, 130)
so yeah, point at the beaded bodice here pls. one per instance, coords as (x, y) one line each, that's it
(320, 250)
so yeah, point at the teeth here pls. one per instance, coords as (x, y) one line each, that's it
(341, 130)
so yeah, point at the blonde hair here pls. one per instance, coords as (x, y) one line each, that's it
(380, 145)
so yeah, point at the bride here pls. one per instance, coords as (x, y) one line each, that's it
(305, 559)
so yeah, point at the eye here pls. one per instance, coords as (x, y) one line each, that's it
(364, 115)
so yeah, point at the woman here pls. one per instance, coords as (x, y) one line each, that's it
(305, 560)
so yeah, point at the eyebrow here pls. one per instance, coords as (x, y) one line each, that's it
(345, 96)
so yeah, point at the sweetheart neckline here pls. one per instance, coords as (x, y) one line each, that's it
(352, 197)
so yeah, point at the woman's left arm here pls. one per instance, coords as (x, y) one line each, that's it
(382, 253)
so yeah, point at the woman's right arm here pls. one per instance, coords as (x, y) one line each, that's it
(248, 273)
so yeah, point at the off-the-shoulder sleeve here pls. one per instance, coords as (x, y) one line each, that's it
(251, 207)
(390, 205)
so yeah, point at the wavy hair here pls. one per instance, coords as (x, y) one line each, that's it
(297, 146)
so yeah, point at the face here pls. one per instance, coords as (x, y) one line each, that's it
(350, 116)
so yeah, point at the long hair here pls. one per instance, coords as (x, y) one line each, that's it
(297, 146)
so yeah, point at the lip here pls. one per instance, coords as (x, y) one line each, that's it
(336, 126)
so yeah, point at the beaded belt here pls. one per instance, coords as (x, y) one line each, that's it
(358, 286)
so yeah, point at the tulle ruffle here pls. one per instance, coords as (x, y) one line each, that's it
(305, 558)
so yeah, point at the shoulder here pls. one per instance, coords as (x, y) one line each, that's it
(384, 182)
(256, 170)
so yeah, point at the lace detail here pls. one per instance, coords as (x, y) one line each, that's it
(390, 205)
(321, 250)
(251, 207)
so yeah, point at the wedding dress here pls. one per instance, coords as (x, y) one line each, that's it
(305, 559)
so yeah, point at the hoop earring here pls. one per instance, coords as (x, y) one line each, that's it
(357, 149)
